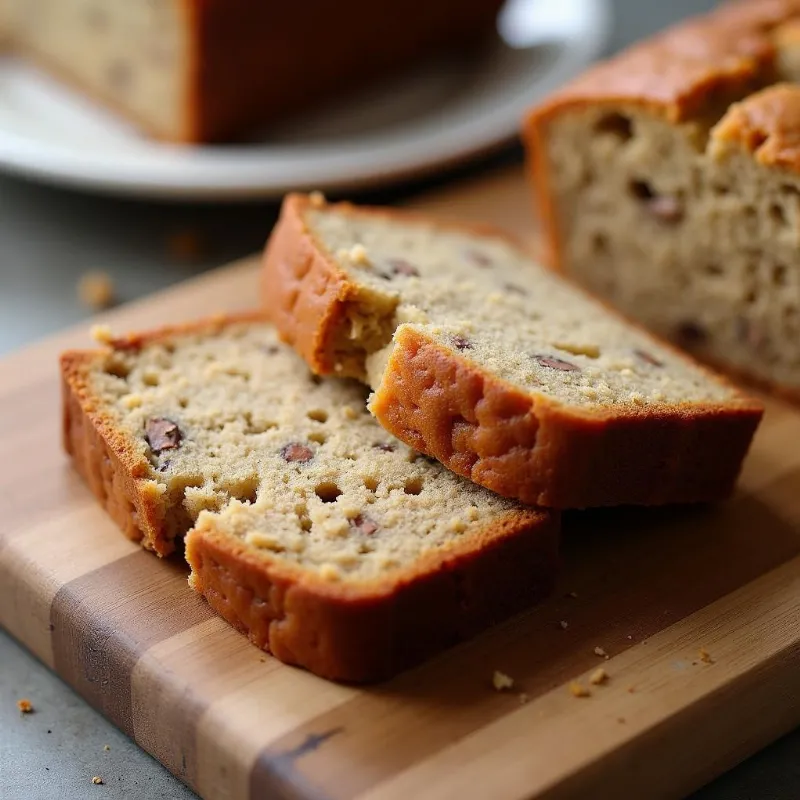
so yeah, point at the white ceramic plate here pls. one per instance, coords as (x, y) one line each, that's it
(450, 111)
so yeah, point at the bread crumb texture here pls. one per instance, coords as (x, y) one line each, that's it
(237, 435)
(487, 301)
(501, 681)
(96, 290)
(97, 780)
(577, 689)
(598, 677)
(705, 656)
(25, 706)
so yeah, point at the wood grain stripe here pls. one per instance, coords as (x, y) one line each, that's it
(210, 687)
(36, 562)
(444, 701)
(103, 622)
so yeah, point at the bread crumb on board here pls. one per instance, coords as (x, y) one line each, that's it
(25, 706)
(96, 290)
(599, 651)
(577, 689)
(705, 656)
(598, 677)
(97, 780)
(501, 681)
(106, 747)
(563, 624)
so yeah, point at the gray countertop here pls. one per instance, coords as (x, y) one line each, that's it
(48, 238)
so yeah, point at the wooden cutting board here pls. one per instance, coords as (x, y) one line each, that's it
(698, 609)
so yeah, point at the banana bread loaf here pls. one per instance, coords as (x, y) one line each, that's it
(211, 70)
(328, 542)
(503, 371)
(668, 180)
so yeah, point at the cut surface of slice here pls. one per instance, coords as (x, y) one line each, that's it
(327, 541)
(497, 367)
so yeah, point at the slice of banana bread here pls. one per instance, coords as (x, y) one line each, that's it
(213, 70)
(328, 542)
(501, 370)
(668, 181)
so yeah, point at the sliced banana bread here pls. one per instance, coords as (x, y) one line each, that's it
(501, 370)
(328, 542)
(668, 180)
(212, 70)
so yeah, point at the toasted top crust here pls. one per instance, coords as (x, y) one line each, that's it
(766, 124)
(690, 69)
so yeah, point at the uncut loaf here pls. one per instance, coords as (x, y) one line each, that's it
(212, 70)
(501, 370)
(325, 540)
(668, 182)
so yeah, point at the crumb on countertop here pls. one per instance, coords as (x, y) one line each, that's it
(501, 681)
(579, 690)
(97, 780)
(705, 656)
(96, 290)
(25, 706)
(573, 595)
(106, 747)
(599, 651)
(563, 624)
(598, 677)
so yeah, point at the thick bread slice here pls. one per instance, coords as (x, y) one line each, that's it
(501, 370)
(668, 182)
(213, 70)
(321, 537)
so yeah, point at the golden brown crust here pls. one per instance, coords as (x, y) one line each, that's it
(766, 125)
(120, 478)
(116, 474)
(517, 444)
(305, 294)
(362, 635)
(540, 452)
